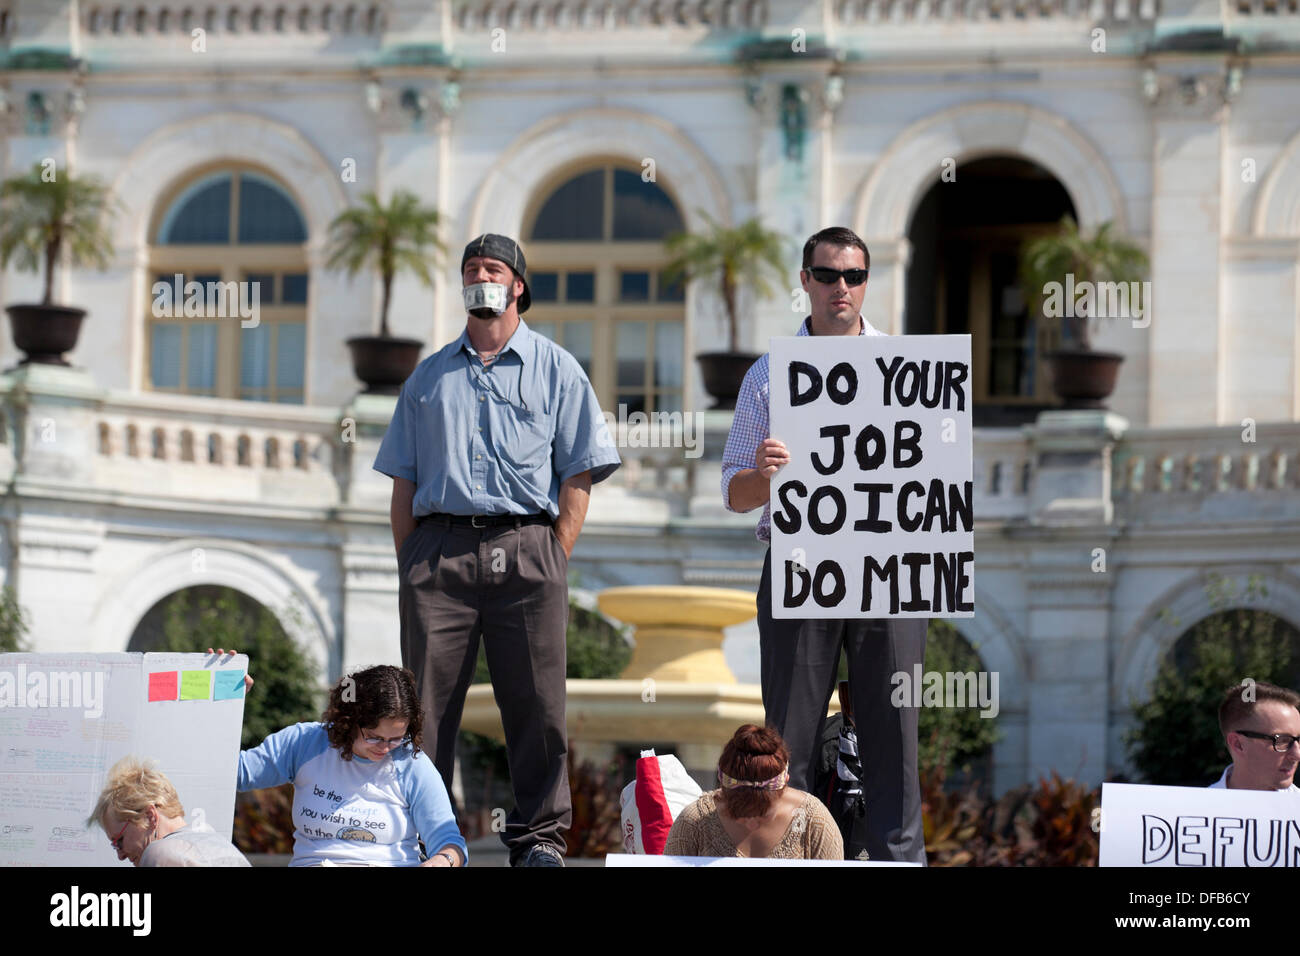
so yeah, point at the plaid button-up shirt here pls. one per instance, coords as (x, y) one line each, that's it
(750, 427)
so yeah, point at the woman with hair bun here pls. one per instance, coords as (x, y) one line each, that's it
(753, 813)
(364, 793)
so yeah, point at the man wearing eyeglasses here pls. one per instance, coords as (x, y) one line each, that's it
(1261, 725)
(800, 658)
(493, 448)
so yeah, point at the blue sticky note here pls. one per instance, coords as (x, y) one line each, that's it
(229, 685)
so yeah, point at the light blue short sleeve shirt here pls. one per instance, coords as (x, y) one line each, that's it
(500, 439)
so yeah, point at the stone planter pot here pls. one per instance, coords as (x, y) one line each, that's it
(45, 332)
(723, 373)
(384, 363)
(1084, 378)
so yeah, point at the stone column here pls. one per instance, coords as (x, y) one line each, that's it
(1069, 593)
(415, 118)
(50, 412)
(371, 630)
(1189, 99)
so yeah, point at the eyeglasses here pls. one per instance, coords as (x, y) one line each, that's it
(391, 742)
(1281, 742)
(851, 277)
(116, 842)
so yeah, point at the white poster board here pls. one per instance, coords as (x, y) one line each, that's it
(65, 719)
(872, 517)
(1198, 827)
(653, 859)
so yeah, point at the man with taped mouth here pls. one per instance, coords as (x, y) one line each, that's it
(493, 448)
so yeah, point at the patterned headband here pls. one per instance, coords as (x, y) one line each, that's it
(775, 783)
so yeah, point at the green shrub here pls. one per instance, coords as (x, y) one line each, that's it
(13, 622)
(955, 738)
(1176, 739)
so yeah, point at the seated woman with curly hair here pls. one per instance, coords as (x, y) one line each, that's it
(754, 813)
(363, 791)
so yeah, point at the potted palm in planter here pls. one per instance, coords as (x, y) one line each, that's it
(746, 254)
(1078, 282)
(46, 218)
(398, 237)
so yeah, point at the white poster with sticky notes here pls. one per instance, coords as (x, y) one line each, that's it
(65, 719)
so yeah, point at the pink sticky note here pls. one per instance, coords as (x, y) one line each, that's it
(162, 685)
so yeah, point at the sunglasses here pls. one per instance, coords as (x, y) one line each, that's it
(851, 277)
(391, 742)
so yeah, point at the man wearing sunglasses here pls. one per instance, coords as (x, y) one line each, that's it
(1261, 726)
(800, 658)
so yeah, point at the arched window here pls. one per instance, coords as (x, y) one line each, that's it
(963, 277)
(596, 256)
(228, 294)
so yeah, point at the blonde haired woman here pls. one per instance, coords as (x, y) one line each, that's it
(145, 822)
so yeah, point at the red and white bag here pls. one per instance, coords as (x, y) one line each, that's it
(651, 802)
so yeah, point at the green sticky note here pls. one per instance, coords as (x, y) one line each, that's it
(196, 685)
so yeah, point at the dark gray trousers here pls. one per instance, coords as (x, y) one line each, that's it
(799, 663)
(510, 586)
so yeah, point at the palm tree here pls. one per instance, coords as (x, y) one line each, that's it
(47, 211)
(1102, 258)
(747, 255)
(399, 237)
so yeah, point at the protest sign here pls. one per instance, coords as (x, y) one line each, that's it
(65, 719)
(1198, 826)
(872, 516)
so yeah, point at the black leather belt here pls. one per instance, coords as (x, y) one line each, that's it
(484, 521)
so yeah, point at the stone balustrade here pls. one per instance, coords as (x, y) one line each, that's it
(140, 19)
(609, 14)
(1266, 8)
(851, 12)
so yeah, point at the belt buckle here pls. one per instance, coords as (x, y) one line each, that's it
(473, 520)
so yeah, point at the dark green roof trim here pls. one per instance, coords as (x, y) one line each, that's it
(39, 58)
(781, 48)
(418, 54)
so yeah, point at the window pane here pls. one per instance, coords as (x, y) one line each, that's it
(577, 340)
(199, 216)
(265, 287)
(290, 355)
(580, 287)
(266, 214)
(670, 401)
(630, 343)
(669, 346)
(575, 210)
(254, 360)
(545, 328)
(165, 355)
(201, 366)
(293, 289)
(632, 401)
(642, 210)
(544, 286)
(634, 287)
